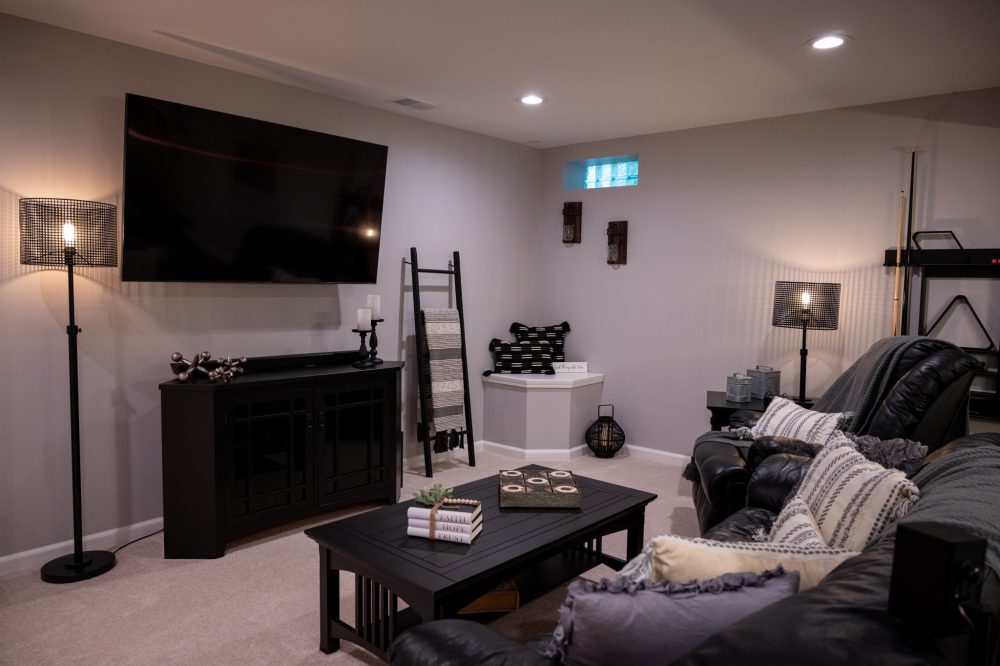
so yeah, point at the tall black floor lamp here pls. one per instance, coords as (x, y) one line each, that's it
(68, 232)
(806, 305)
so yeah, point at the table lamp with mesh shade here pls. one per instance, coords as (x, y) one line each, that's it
(68, 232)
(806, 305)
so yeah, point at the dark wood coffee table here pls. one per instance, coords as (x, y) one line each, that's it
(540, 549)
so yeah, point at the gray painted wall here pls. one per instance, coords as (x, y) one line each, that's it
(61, 128)
(722, 212)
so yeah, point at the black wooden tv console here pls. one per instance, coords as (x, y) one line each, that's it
(294, 436)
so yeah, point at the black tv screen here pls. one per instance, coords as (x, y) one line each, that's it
(212, 197)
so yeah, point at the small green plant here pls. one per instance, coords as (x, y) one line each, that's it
(433, 495)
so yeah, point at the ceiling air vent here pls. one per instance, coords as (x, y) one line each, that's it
(414, 104)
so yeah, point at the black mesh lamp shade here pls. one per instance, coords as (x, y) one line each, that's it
(69, 232)
(806, 305)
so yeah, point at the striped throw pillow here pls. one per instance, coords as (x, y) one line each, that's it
(783, 417)
(795, 525)
(555, 335)
(853, 499)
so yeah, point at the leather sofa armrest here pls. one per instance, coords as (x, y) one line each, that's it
(774, 479)
(720, 465)
(769, 445)
(459, 643)
(744, 418)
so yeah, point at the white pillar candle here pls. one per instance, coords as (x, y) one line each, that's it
(364, 319)
(375, 305)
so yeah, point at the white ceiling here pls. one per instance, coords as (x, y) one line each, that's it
(607, 68)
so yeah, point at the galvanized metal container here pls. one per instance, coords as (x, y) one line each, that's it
(738, 387)
(766, 381)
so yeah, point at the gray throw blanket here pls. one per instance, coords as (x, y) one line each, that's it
(445, 379)
(962, 489)
(861, 387)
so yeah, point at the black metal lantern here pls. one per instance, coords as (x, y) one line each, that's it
(604, 436)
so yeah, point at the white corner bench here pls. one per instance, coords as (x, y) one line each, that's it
(540, 416)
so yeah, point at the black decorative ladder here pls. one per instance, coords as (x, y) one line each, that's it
(454, 268)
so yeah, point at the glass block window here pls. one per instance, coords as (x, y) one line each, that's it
(599, 172)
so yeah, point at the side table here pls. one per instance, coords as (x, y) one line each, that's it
(722, 409)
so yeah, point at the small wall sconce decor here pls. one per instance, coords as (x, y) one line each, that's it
(618, 243)
(572, 215)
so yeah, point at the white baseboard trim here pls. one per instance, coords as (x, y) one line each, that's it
(107, 540)
(533, 454)
(629, 450)
(634, 451)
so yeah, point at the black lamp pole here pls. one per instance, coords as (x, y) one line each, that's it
(803, 353)
(82, 564)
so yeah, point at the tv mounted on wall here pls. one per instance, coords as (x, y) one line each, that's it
(212, 197)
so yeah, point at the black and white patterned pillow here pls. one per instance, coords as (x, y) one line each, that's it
(555, 334)
(533, 357)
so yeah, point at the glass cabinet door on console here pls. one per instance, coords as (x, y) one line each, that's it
(351, 451)
(269, 446)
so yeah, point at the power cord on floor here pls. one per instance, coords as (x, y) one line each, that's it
(139, 539)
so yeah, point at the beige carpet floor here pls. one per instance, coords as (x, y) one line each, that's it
(260, 604)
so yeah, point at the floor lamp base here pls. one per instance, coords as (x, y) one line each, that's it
(65, 570)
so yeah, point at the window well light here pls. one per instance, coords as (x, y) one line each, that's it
(531, 99)
(828, 42)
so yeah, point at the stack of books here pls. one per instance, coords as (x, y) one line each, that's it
(460, 525)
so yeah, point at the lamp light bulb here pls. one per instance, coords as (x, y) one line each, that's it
(69, 233)
(805, 299)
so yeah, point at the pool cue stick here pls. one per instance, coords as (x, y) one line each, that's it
(899, 268)
(905, 317)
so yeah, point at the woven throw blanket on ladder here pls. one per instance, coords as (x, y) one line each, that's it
(445, 379)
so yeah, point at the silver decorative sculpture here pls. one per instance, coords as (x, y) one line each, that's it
(222, 368)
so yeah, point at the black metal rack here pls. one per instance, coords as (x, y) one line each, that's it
(959, 262)
(455, 269)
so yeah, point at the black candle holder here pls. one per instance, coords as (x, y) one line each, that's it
(363, 361)
(373, 344)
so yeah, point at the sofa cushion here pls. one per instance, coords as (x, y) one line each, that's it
(682, 559)
(795, 525)
(786, 419)
(852, 498)
(619, 621)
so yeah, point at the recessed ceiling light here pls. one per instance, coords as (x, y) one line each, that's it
(829, 42)
(531, 99)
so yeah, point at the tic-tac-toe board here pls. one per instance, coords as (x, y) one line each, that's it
(537, 489)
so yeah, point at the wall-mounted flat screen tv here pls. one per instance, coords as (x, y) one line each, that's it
(212, 197)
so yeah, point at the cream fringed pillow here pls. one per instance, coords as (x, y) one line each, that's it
(852, 498)
(681, 559)
(783, 417)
